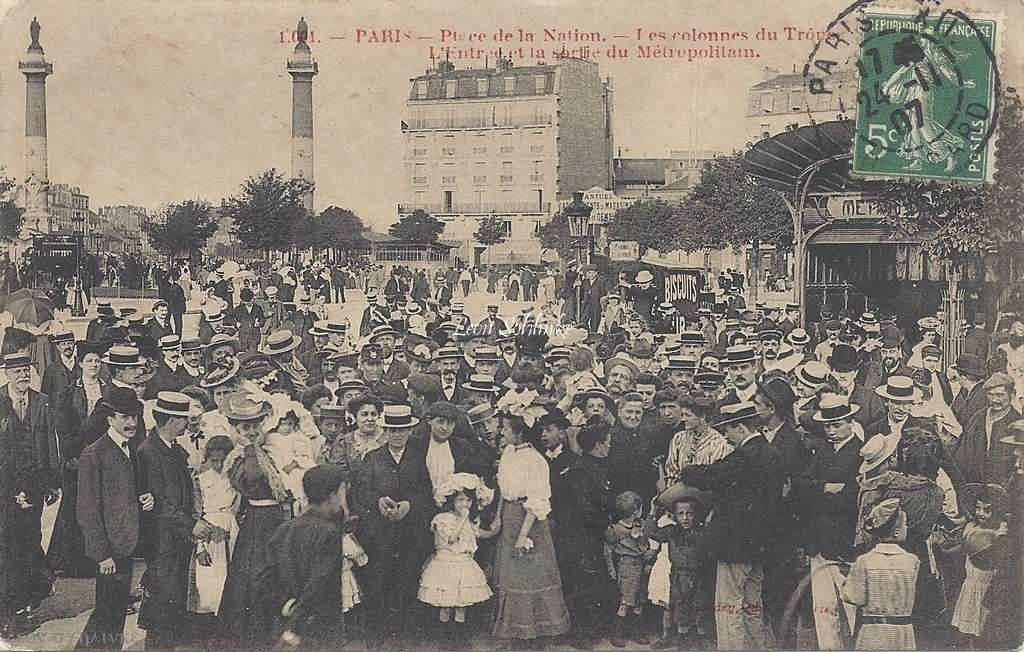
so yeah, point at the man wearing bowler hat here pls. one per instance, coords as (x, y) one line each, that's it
(110, 504)
(172, 528)
(970, 371)
(747, 486)
(844, 363)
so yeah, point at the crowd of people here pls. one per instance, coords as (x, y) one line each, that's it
(289, 478)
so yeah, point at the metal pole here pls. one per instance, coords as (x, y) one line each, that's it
(78, 310)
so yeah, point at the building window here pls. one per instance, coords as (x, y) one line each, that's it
(419, 151)
(479, 150)
(481, 87)
(448, 151)
(539, 83)
(449, 88)
(536, 149)
(419, 175)
(421, 89)
(540, 202)
(510, 84)
(448, 201)
(506, 143)
(796, 100)
(506, 172)
(768, 102)
(508, 228)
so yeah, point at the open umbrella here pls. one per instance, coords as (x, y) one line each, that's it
(26, 293)
(30, 310)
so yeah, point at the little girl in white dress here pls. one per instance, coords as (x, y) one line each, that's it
(452, 580)
(352, 554)
(970, 614)
(220, 502)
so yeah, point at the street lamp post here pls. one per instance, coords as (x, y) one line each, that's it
(78, 306)
(578, 215)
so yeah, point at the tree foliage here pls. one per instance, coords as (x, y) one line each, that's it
(555, 235)
(655, 224)
(342, 229)
(11, 216)
(490, 231)
(182, 228)
(962, 221)
(266, 209)
(419, 227)
(735, 210)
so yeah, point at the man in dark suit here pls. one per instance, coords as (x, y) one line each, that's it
(394, 507)
(449, 360)
(169, 376)
(31, 448)
(972, 396)
(891, 361)
(105, 318)
(444, 454)
(977, 341)
(64, 370)
(248, 319)
(172, 528)
(980, 454)
(339, 278)
(492, 324)
(843, 364)
(109, 510)
(177, 302)
(826, 490)
(629, 467)
(306, 553)
(747, 486)
(394, 370)
(592, 288)
(160, 323)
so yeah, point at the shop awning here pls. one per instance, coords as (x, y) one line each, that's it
(783, 160)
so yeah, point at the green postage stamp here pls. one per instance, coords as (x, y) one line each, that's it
(926, 99)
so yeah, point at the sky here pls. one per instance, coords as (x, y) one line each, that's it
(161, 101)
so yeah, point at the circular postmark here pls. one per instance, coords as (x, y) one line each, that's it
(920, 87)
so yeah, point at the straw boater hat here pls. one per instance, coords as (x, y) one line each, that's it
(680, 491)
(220, 374)
(833, 407)
(173, 403)
(319, 328)
(281, 341)
(739, 412)
(222, 339)
(877, 450)
(397, 417)
(63, 336)
(899, 389)
(121, 356)
(480, 413)
(644, 276)
(798, 337)
(170, 342)
(241, 407)
(813, 374)
(481, 383)
(15, 360)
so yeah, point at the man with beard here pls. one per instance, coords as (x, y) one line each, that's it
(980, 455)
(644, 295)
(448, 359)
(890, 363)
(620, 374)
(394, 370)
(679, 372)
(64, 370)
(27, 440)
(970, 370)
(770, 339)
(629, 467)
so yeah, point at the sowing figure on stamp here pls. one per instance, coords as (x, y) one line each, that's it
(920, 69)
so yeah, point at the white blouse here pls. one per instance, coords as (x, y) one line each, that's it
(523, 473)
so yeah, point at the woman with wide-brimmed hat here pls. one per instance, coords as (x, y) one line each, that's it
(246, 610)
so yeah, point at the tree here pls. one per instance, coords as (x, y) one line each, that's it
(419, 227)
(491, 231)
(266, 209)
(555, 235)
(653, 224)
(962, 223)
(11, 216)
(736, 210)
(182, 228)
(342, 229)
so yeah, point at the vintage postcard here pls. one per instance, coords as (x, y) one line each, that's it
(546, 323)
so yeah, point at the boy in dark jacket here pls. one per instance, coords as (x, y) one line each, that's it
(306, 552)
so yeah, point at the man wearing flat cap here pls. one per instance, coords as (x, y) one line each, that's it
(981, 455)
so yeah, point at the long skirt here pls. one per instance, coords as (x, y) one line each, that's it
(66, 552)
(530, 601)
(246, 612)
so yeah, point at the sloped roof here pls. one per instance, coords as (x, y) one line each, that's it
(650, 170)
(466, 83)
